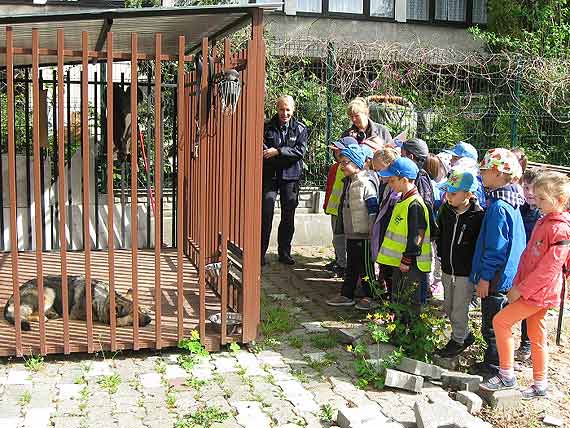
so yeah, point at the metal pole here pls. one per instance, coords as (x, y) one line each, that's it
(516, 107)
(329, 73)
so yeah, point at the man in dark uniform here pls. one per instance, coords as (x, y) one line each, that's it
(284, 145)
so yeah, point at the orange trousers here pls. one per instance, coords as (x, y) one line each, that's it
(503, 325)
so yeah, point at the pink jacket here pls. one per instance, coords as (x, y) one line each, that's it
(539, 276)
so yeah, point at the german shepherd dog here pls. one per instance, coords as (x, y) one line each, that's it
(53, 307)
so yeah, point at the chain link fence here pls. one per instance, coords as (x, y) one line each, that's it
(439, 95)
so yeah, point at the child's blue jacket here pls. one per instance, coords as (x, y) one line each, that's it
(501, 241)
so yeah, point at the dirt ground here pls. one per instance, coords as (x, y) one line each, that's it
(530, 413)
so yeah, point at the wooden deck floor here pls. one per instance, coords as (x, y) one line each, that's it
(101, 333)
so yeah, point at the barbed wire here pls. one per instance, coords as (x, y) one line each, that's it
(479, 81)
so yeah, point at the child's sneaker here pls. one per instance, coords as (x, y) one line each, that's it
(534, 392)
(499, 383)
(452, 349)
(340, 301)
(331, 266)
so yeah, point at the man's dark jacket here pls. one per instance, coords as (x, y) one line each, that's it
(288, 165)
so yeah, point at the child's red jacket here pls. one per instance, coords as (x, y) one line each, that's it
(539, 276)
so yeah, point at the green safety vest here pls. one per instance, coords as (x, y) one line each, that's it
(396, 238)
(336, 193)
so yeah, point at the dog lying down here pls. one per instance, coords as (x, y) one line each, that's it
(53, 307)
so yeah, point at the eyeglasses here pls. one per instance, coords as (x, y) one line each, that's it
(345, 162)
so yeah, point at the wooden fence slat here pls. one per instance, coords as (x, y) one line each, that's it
(202, 188)
(134, 186)
(38, 191)
(110, 193)
(180, 187)
(12, 184)
(226, 192)
(157, 184)
(86, 188)
(61, 182)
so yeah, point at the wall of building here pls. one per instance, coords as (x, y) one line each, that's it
(406, 34)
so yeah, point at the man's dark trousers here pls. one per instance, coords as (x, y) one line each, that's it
(289, 199)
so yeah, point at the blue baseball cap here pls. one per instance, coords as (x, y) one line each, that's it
(367, 151)
(401, 167)
(460, 180)
(463, 150)
(355, 154)
(343, 143)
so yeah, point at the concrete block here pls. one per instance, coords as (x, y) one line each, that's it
(502, 400)
(401, 380)
(316, 357)
(456, 379)
(441, 415)
(380, 351)
(472, 401)
(447, 363)
(360, 416)
(348, 336)
(552, 421)
(314, 327)
(420, 368)
(469, 385)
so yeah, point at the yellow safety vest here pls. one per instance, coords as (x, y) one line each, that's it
(336, 193)
(396, 238)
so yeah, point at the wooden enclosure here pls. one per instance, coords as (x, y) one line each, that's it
(208, 262)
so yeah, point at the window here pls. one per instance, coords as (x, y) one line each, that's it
(479, 11)
(383, 8)
(346, 6)
(451, 10)
(314, 6)
(418, 10)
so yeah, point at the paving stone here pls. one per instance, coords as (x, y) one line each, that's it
(440, 415)
(278, 297)
(18, 377)
(150, 380)
(457, 379)
(502, 400)
(358, 416)
(271, 358)
(250, 363)
(401, 380)
(175, 372)
(99, 368)
(202, 373)
(69, 391)
(10, 422)
(552, 421)
(66, 422)
(420, 368)
(250, 415)
(302, 399)
(225, 364)
(129, 421)
(471, 386)
(314, 327)
(472, 401)
(38, 417)
(348, 336)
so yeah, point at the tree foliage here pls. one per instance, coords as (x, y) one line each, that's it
(528, 27)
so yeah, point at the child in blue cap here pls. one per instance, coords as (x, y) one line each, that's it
(406, 245)
(459, 221)
(358, 210)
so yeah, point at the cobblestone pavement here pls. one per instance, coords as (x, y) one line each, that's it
(296, 379)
